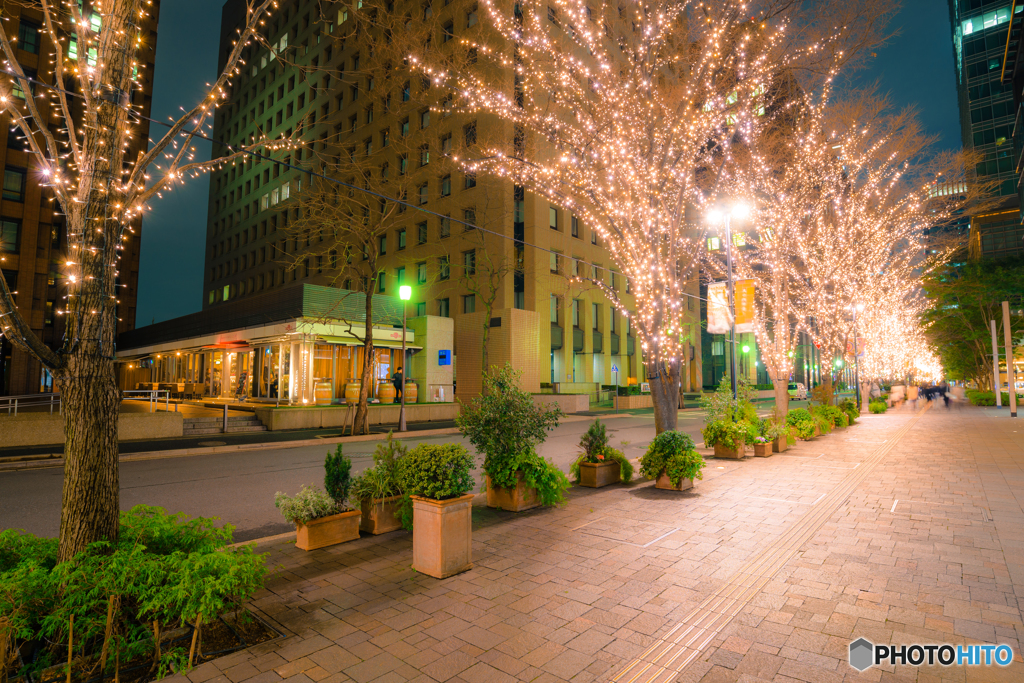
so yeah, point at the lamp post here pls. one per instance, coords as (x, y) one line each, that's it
(738, 211)
(404, 293)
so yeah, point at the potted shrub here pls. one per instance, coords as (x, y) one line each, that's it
(506, 426)
(600, 464)
(323, 518)
(849, 408)
(877, 407)
(822, 421)
(672, 462)
(800, 420)
(437, 505)
(378, 490)
(728, 438)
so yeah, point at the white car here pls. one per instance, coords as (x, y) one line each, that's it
(797, 391)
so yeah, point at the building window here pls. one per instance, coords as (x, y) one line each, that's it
(405, 127)
(447, 32)
(596, 311)
(471, 17)
(424, 118)
(444, 268)
(380, 283)
(575, 225)
(446, 227)
(442, 308)
(469, 261)
(383, 244)
(469, 131)
(469, 216)
(28, 37)
(421, 230)
(553, 217)
(424, 155)
(400, 275)
(385, 137)
(421, 273)
(470, 180)
(403, 164)
(714, 244)
(14, 184)
(446, 144)
(553, 261)
(554, 309)
(593, 236)
(446, 186)
(401, 239)
(421, 309)
(423, 193)
(576, 313)
(469, 303)
(10, 233)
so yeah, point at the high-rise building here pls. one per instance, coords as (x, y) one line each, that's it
(1012, 76)
(987, 115)
(388, 130)
(33, 237)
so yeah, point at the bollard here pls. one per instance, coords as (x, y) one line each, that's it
(225, 418)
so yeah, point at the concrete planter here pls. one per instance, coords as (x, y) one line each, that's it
(762, 450)
(596, 475)
(442, 535)
(780, 445)
(730, 453)
(380, 516)
(331, 530)
(522, 497)
(663, 482)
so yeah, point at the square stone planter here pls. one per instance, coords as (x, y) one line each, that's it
(522, 497)
(331, 530)
(762, 450)
(730, 453)
(663, 482)
(596, 475)
(442, 535)
(780, 445)
(380, 516)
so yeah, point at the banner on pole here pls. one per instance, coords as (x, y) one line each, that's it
(719, 319)
(744, 306)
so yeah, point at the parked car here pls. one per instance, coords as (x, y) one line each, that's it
(797, 391)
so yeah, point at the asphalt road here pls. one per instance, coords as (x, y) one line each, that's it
(238, 488)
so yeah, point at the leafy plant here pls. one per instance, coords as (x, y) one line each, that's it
(381, 480)
(877, 407)
(435, 471)
(504, 424)
(310, 503)
(338, 476)
(730, 435)
(674, 454)
(594, 441)
(801, 421)
(163, 568)
(542, 475)
(608, 454)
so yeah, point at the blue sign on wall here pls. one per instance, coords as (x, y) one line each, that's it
(444, 357)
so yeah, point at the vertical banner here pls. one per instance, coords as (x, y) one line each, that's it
(719, 320)
(744, 306)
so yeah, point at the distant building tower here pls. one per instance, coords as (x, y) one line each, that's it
(987, 114)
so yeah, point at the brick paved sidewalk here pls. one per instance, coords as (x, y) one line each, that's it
(905, 528)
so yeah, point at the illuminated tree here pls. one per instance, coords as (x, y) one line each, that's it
(79, 136)
(625, 116)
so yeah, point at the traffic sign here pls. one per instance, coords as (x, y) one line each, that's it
(615, 368)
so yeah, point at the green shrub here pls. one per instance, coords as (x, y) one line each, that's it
(607, 454)
(436, 471)
(541, 474)
(877, 407)
(338, 476)
(986, 398)
(163, 568)
(674, 454)
(802, 422)
(504, 424)
(822, 418)
(381, 480)
(730, 435)
(308, 504)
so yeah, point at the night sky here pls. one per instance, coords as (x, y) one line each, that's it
(915, 68)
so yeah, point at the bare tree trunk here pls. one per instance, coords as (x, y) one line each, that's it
(665, 395)
(361, 423)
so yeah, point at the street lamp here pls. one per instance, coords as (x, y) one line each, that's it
(739, 212)
(404, 293)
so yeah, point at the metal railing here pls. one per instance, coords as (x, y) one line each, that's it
(153, 396)
(14, 403)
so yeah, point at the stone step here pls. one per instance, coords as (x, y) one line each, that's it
(248, 428)
(220, 420)
(200, 430)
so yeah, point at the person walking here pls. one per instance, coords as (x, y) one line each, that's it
(399, 383)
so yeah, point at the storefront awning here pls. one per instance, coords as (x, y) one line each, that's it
(378, 343)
